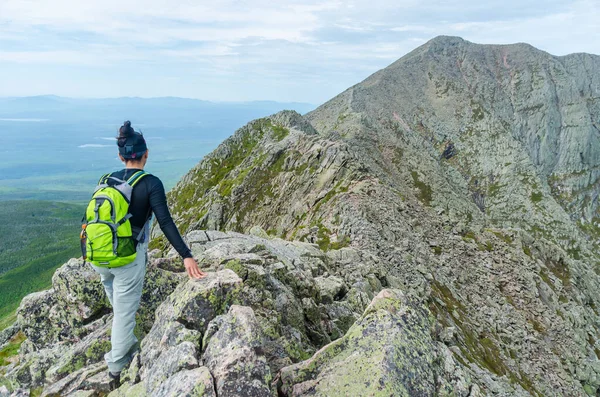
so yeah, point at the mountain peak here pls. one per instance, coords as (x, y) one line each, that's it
(446, 40)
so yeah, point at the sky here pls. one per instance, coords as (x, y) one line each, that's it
(236, 50)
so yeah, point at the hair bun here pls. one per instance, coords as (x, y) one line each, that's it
(126, 131)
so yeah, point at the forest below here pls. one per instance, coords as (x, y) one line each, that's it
(37, 237)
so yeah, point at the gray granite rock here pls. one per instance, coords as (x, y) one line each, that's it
(234, 354)
(388, 351)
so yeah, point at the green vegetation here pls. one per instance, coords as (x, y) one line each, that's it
(12, 349)
(488, 246)
(424, 189)
(280, 132)
(536, 197)
(398, 154)
(507, 239)
(261, 183)
(574, 253)
(241, 144)
(337, 189)
(323, 240)
(37, 237)
(342, 241)
(469, 235)
(591, 228)
(494, 189)
(527, 250)
(477, 109)
(161, 243)
(36, 391)
(561, 271)
(217, 172)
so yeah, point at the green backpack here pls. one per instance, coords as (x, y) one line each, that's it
(106, 235)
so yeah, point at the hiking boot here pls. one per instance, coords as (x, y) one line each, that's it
(115, 380)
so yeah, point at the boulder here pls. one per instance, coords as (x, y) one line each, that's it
(174, 342)
(234, 354)
(196, 382)
(388, 352)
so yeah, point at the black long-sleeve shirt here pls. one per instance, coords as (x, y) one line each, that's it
(149, 196)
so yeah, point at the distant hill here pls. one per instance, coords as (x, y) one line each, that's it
(55, 148)
(150, 109)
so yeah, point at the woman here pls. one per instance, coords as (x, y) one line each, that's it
(124, 284)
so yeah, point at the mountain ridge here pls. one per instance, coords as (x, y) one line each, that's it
(402, 146)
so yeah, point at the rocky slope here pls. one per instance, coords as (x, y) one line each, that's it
(266, 304)
(432, 230)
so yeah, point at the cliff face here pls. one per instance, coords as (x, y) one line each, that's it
(506, 110)
(432, 230)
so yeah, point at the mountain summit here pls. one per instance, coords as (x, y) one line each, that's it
(432, 230)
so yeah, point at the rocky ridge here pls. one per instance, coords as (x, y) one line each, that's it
(266, 304)
(432, 230)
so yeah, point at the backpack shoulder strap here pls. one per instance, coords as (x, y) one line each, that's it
(103, 178)
(135, 178)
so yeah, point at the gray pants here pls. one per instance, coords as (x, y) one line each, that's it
(123, 286)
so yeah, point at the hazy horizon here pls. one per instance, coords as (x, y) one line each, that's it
(54, 96)
(56, 148)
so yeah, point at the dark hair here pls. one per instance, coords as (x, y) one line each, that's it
(132, 144)
(125, 132)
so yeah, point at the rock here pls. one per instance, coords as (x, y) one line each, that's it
(188, 383)
(129, 390)
(99, 383)
(35, 307)
(258, 232)
(330, 288)
(196, 302)
(7, 333)
(197, 236)
(276, 330)
(174, 341)
(214, 235)
(448, 334)
(83, 393)
(173, 360)
(74, 381)
(77, 285)
(20, 393)
(340, 317)
(234, 355)
(387, 352)
(88, 351)
(59, 314)
(169, 264)
(468, 171)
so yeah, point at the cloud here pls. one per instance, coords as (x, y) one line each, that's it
(25, 120)
(232, 49)
(93, 145)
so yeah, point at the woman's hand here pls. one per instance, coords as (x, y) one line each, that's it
(192, 269)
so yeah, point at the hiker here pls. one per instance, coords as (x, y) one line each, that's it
(123, 282)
